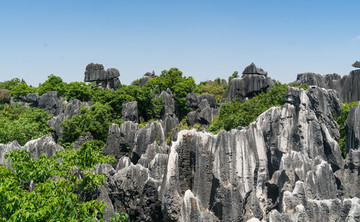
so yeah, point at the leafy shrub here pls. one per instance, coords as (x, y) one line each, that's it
(215, 88)
(61, 191)
(236, 114)
(341, 120)
(4, 96)
(10, 83)
(53, 83)
(22, 124)
(22, 89)
(78, 90)
(96, 121)
(180, 86)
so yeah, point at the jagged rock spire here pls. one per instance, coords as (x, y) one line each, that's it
(252, 69)
(356, 64)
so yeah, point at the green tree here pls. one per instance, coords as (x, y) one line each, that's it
(10, 83)
(78, 90)
(22, 89)
(96, 121)
(236, 114)
(179, 85)
(53, 83)
(22, 124)
(216, 88)
(234, 75)
(63, 184)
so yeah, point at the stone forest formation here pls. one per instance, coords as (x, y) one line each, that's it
(182, 154)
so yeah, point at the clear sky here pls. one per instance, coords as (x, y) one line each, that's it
(204, 39)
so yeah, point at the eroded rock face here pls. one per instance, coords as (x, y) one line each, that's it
(69, 109)
(285, 166)
(350, 91)
(130, 112)
(352, 128)
(168, 115)
(104, 79)
(252, 69)
(356, 64)
(348, 86)
(44, 145)
(248, 86)
(146, 78)
(204, 108)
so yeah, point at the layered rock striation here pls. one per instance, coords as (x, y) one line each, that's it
(104, 79)
(253, 81)
(347, 86)
(285, 166)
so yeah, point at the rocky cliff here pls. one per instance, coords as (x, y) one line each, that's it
(347, 86)
(285, 166)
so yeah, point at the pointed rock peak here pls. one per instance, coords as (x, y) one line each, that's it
(356, 64)
(252, 69)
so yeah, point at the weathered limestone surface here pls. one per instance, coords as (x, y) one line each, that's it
(248, 86)
(104, 79)
(285, 166)
(204, 108)
(44, 145)
(348, 86)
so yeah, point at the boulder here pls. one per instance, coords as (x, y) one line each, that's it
(44, 145)
(50, 102)
(130, 112)
(146, 78)
(248, 86)
(96, 72)
(104, 79)
(205, 108)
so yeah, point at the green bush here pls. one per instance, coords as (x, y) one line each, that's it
(22, 89)
(78, 90)
(236, 114)
(62, 189)
(53, 83)
(22, 124)
(10, 83)
(179, 85)
(341, 120)
(215, 88)
(4, 96)
(96, 121)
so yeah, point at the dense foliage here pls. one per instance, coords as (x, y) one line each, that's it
(341, 120)
(50, 190)
(22, 124)
(216, 88)
(234, 114)
(96, 121)
(179, 85)
(53, 83)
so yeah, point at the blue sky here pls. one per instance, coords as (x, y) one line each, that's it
(205, 39)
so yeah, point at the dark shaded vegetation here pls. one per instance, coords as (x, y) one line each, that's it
(341, 121)
(235, 113)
